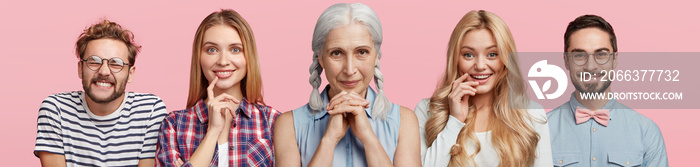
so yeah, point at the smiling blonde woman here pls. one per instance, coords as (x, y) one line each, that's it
(473, 119)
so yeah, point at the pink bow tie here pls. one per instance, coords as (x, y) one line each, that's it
(601, 116)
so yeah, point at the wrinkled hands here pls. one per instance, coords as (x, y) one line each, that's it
(348, 109)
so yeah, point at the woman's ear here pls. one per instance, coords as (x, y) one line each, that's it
(376, 60)
(320, 61)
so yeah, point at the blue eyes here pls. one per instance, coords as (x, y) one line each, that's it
(490, 55)
(214, 50)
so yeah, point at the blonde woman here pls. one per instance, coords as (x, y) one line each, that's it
(479, 114)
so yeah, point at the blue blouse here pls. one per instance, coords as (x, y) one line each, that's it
(309, 128)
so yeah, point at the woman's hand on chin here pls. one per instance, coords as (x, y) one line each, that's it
(218, 107)
(352, 107)
(459, 97)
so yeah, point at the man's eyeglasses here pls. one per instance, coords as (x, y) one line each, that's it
(115, 64)
(581, 58)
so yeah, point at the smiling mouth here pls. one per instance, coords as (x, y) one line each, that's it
(103, 84)
(224, 73)
(481, 76)
(350, 84)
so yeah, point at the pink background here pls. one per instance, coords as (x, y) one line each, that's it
(39, 38)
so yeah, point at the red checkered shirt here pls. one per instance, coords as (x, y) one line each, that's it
(250, 138)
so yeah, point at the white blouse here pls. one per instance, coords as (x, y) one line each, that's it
(439, 152)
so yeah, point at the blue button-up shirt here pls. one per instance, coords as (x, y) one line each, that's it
(630, 139)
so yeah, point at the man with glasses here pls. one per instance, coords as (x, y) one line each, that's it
(599, 132)
(102, 126)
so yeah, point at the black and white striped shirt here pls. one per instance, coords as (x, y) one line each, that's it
(66, 126)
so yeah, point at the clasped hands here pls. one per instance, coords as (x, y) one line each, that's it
(347, 109)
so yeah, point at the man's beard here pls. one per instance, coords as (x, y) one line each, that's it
(118, 91)
(591, 87)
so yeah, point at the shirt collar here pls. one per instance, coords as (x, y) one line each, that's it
(202, 111)
(573, 103)
(371, 95)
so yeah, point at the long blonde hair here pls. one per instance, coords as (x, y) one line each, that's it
(513, 138)
(251, 84)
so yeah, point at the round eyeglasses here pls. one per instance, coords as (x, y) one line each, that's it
(115, 64)
(581, 58)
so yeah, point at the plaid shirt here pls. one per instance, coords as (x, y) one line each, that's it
(250, 138)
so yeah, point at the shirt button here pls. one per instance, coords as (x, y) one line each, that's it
(232, 147)
(594, 158)
(561, 162)
(594, 130)
(627, 163)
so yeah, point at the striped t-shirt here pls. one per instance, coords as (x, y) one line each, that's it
(66, 126)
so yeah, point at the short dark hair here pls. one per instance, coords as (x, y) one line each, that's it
(589, 21)
(109, 30)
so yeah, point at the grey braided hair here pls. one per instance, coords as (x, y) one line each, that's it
(335, 16)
